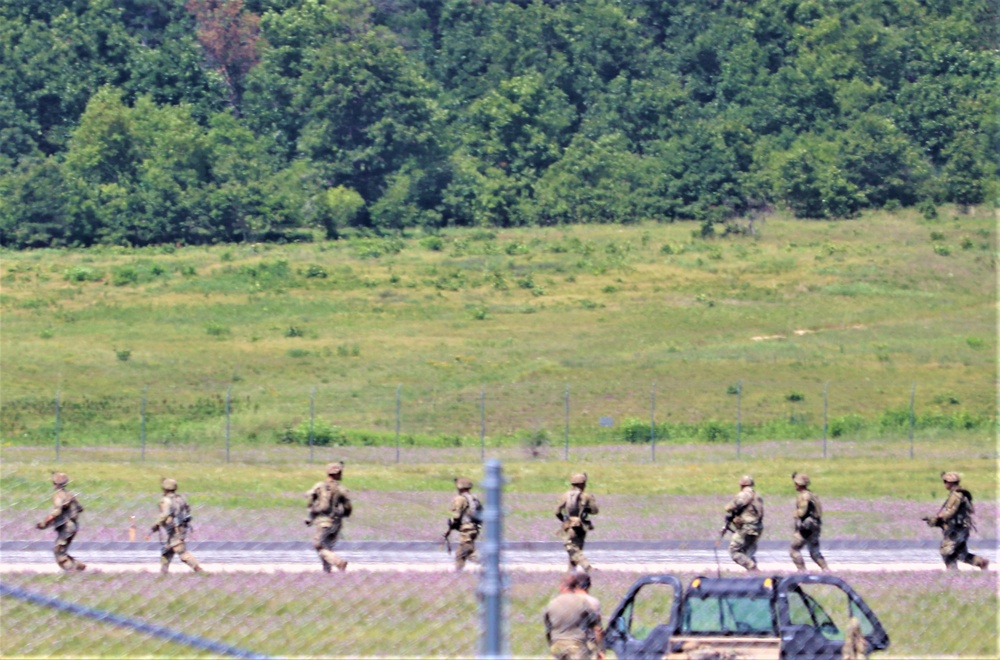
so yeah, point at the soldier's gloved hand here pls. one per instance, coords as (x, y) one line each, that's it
(40, 525)
(308, 522)
(154, 529)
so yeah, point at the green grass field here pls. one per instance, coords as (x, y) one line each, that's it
(486, 335)
(494, 330)
(422, 615)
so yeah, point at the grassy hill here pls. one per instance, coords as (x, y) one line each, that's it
(496, 329)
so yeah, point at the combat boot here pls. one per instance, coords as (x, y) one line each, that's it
(342, 565)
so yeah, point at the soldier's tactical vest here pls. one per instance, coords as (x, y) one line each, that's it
(813, 518)
(473, 511)
(71, 509)
(180, 512)
(325, 502)
(963, 517)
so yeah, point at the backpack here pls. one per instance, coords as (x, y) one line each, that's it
(180, 511)
(474, 510)
(73, 508)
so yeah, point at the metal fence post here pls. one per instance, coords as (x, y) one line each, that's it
(913, 417)
(398, 390)
(491, 583)
(566, 451)
(57, 424)
(229, 398)
(826, 386)
(652, 420)
(739, 414)
(312, 422)
(142, 422)
(482, 424)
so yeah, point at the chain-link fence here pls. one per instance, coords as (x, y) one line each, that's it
(629, 421)
(264, 592)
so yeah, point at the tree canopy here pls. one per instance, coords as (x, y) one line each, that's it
(197, 121)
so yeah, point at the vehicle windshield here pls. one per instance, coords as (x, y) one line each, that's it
(728, 615)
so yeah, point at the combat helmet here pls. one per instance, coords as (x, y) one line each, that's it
(800, 479)
(578, 479)
(60, 478)
(951, 477)
(462, 483)
(169, 484)
(746, 480)
(335, 469)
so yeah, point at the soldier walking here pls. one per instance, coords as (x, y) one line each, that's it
(175, 519)
(329, 504)
(65, 511)
(569, 619)
(573, 511)
(466, 518)
(808, 520)
(955, 520)
(745, 516)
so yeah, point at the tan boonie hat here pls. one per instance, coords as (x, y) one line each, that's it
(578, 479)
(169, 484)
(800, 479)
(746, 480)
(951, 477)
(60, 478)
(463, 484)
(333, 469)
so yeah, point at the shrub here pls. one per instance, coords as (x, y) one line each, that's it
(216, 329)
(716, 431)
(324, 434)
(846, 425)
(433, 243)
(535, 442)
(315, 271)
(82, 274)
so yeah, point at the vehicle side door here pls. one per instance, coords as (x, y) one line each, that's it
(641, 625)
(814, 612)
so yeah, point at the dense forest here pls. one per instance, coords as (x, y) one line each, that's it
(140, 122)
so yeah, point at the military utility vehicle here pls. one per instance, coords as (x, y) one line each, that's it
(749, 618)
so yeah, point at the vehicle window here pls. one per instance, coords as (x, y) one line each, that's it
(650, 608)
(722, 615)
(831, 608)
(799, 613)
(867, 628)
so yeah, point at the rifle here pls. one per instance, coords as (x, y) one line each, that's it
(446, 537)
(715, 548)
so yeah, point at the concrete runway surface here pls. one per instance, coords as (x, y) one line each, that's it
(423, 556)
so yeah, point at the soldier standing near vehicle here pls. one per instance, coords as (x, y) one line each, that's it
(955, 520)
(175, 519)
(569, 619)
(574, 511)
(466, 518)
(595, 635)
(808, 519)
(329, 504)
(65, 511)
(745, 517)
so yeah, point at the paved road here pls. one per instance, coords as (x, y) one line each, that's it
(697, 556)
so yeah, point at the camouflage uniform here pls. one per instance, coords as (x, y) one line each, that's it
(329, 504)
(568, 619)
(955, 521)
(746, 515)
(175, 519)
(855, 646)
(462, 519)
(65, 511)
(574, 508)
(808, 519)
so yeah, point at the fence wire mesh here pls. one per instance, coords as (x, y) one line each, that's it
(264, 592)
